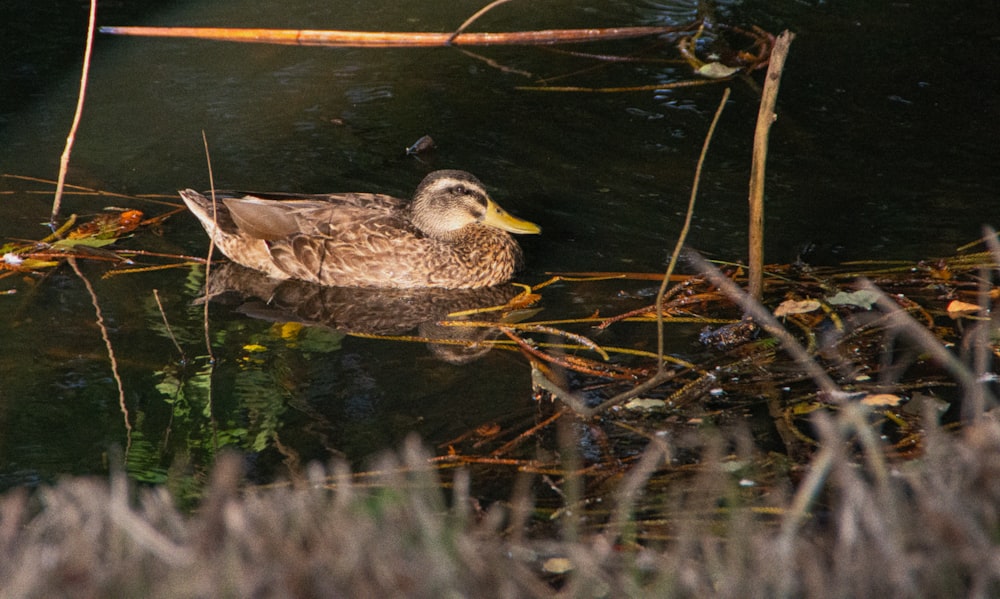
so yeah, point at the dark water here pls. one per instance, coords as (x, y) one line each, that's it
(885, 148)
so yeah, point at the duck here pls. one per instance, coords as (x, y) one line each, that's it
(450, 235)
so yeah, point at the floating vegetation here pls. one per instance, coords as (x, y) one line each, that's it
(92, 239)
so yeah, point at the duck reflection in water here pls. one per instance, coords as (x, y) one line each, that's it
(369, 311)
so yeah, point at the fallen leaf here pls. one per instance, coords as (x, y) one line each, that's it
(93, 242)
(646, 404)
(959, 307)
(108, 225)
(861, 298)
(716, 70)
(789, 307)
(882, 400)
(33, 264)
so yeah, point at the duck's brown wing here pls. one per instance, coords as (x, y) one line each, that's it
(275, 216)
(258, 230)
(355, 247)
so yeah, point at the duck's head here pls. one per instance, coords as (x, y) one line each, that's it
(447, 201)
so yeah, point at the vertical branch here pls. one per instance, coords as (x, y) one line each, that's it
(64, 160)
(765, 118)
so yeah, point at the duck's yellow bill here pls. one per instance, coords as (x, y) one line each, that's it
(498, 217)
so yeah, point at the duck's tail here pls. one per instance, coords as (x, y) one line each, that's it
(238, 247)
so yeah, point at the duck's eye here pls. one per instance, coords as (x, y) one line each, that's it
(459, 190)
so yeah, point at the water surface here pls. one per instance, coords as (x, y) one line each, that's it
(883, 149)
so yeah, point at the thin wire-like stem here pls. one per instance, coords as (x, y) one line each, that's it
(166, 323)
(208, 275)
(482, 11)
(211, 249)
(77, 115)
(685, 229)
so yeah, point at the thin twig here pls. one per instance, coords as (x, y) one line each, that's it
(618, 90)
(208, 274)
(577, 404)
(166, 323)
(510, 445)
(663, 375)
(684, 230)
(482, 11)
(211, 249)
(64, 159)
(494, 64)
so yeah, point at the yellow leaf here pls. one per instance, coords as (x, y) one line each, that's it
(960, 307)
(882, 400)
(716, 70)
(289, 330)
(33, 263)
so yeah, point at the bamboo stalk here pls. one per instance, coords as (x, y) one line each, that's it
(391, 39)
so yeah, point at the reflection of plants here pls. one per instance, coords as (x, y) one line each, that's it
(235, 403)
(262, 402)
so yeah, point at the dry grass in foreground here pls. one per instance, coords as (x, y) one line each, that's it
(928, 528)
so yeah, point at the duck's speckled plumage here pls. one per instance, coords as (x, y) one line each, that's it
(440, 239)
